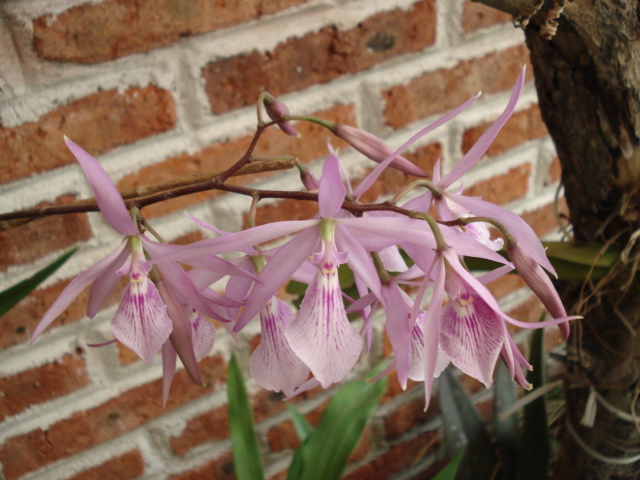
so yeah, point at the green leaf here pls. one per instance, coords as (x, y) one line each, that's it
(10, 297)
(246, 454)
(302, 426)
(449, 472)
(533, 458)
(324, 454)
(588, 254)
(504, 397)
(463, 426)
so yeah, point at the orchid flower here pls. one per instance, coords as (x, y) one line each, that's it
(141, 321)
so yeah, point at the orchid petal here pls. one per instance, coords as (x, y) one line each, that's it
(274, 366)
(321, 335)
(431, 330)
(516, 225)
(398, 329)
(394, 159)
(104, 284)
(203, 335)
(472, 336)
(376, 233)
(277, 271)
(181, 335)
(331, 191)
(236, 241)
(359, 260)
(141, 322)
(108, 198)
(75, 287)
(179, 281)
(392, 260)
(485, 140)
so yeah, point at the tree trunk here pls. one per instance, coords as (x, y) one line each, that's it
(588, 82)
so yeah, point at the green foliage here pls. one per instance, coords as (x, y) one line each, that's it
(10, 297)
(506, 431)
(246, 454)
(324, 451)
(449, 472)
(572, 262)
(463, 427)
(534, 451)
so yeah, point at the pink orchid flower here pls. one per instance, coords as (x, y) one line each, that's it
(141, 321)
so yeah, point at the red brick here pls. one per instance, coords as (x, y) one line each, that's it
(505, 285)
(319, 57)
(41, 384)
(407, 417)
(85, 429)
(503, 188)
(543, 220)
(124, 467)
(95, 32)
(476, 16)
(30, 241)
(528, 311)
(220, 468)
(97, 122)
(444, 89)
(554, 173)
(396, 459)
(21, 321)
(273, 143)
(520, 128)
(210, 426)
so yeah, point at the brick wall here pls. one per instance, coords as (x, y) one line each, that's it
(164, 88)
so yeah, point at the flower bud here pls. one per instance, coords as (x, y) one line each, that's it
(539, 282)
(276, 110)
(374, 148)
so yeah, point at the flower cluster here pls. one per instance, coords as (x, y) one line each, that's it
(318, 345)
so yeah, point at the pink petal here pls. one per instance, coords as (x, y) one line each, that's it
(472, 336)
(392, 260)
(74, 289)
(332, 190)
(485, 140)
(104, 285)
(203, 335)
(141, 322)
(431, 330)
(398, 329)
(359, 259)
(321, 335)
(516, 225)
(236, 242)
(277, 271)
(402, 163)
(107, 196)
(274, 366)
(182, 334)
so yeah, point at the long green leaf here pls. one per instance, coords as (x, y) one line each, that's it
(246, 454)
(504, 396)
(10, 297)
(324, 454)
(463, 426)
(301, 424)
(449, 472)
(533, 458)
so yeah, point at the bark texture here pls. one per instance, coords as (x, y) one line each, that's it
(588, 82)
